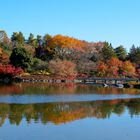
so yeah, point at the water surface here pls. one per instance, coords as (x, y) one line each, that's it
(68, 112)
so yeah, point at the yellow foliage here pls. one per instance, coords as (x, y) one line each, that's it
(0, 51)
(25, 74)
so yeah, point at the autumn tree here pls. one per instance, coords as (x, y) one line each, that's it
(9, 70)
(128, 69)
(1, 51)
(86, 68)
(4, 58)
(114, 65)
(62, 69)
(102, 69)
(66, 42)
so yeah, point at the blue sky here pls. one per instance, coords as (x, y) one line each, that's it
(116, 21)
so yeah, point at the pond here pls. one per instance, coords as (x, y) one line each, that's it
(68, 112)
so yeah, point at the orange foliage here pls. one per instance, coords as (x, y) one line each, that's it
(128, 69)
(102, 68)
(66, 42)
(0, 51)
(115, 68)
(114, 64)
(4, 58)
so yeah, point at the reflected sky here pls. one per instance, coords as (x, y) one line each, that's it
(87, 129)
(30, 99)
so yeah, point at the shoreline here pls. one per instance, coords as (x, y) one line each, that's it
(101, 82)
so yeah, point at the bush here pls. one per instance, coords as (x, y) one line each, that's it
(38, 64)
(21, 58)
(62, 69)
(9, 71)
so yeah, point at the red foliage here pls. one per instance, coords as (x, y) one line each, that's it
(9, 70)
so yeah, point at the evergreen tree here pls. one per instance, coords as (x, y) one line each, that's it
(31, 39)
(121, 52)
(18, 38)
(134, 54)
(107, 51)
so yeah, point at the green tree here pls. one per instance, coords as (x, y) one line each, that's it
(45, 51)
(21, 58)
(31, 39)
(121, 52)
(107, 51)
(21, 38)
(18, 38)
(46, 39)
(5, 44)
(134, 54)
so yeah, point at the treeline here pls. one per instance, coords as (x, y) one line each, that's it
(65, 57)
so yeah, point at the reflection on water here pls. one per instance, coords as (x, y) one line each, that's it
(27, 114)
(46, 93)
(61, 88)
(58, 113)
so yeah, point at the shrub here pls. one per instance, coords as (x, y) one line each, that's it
(9, 71)
(38, 64)
(21, 58)
(62, 69)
